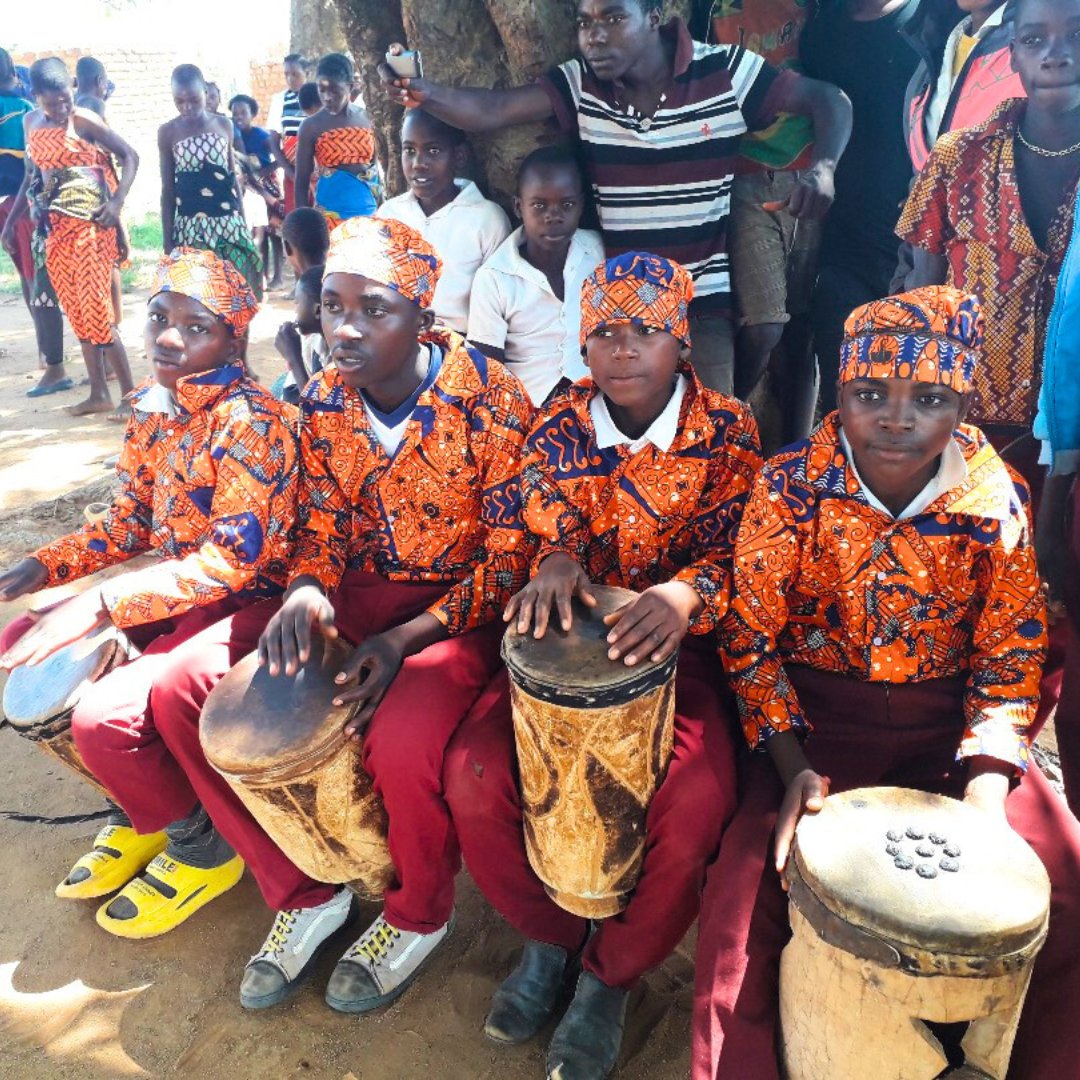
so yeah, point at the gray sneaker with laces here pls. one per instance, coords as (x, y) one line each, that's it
(290, 949)
(380, 966)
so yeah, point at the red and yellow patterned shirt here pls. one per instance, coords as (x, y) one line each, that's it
(824, 579)
(211, 489)
(445, 507)
(637, 519)
(966, 206)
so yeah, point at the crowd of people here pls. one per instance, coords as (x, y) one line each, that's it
(874, 200)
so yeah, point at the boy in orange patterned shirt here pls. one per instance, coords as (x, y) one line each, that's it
(888, 613)
(635, 478)
(207, 479)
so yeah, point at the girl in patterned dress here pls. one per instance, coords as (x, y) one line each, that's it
(200, 196)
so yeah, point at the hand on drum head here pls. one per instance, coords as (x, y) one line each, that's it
(558, 581)
(60, 626)
(372, 667)
(286, 642)
(806, 794)
(24, 577)
(653, 624)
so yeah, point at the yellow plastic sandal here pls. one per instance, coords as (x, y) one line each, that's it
(167, 894)
(119, 854)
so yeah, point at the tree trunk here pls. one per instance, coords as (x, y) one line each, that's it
(465, 43)
(315, 30)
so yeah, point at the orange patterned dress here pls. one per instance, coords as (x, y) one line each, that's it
(79, 253)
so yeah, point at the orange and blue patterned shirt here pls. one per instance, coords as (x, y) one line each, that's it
(445, 507)
(826, 580)
(641, 518)
(210, 484)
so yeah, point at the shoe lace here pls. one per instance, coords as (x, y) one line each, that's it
(376, 943)
(279, 933)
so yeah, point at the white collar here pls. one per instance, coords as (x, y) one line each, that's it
(993, 20)
(952, 471)
(156, 399)
(661, 432)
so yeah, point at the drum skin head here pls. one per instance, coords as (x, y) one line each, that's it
(924, 871)
(33, 695)
(254, 721)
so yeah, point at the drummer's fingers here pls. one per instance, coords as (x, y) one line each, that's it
(511, 608)
(562, 600)
(527, 600)
(545, 598)
(584, 591)
(671, 643)
(295, 641)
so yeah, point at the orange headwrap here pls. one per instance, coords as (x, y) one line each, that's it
(211, 280)
(637, 288)
(929, 335)
(386, 251)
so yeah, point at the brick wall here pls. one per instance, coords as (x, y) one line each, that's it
(265, 80)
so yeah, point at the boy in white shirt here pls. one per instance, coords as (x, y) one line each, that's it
(451, 214)
(526, 299)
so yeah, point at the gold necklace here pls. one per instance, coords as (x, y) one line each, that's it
(1043, 152)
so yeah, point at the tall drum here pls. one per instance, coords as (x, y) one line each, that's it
(280, 743)
(907, 910)
(593, 740)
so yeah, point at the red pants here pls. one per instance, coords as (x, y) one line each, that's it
(864, 736)
(683, 827)
(403, 749)
(24, 228)
(1067, 720)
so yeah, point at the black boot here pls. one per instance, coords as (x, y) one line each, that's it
(526, 1000)
(586, 1043)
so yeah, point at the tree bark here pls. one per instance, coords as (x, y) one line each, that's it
(315, 30)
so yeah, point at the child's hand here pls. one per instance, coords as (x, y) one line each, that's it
(60, 626)
(559, 580)
(806, 794)
(408, 93)
(26, 576)
(287, 341)
(286, 642)
(654, 623)
(373, 667)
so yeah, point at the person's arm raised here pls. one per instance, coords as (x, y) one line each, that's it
(469, 108)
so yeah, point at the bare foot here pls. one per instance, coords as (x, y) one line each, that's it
(121, 414)
(90, 406)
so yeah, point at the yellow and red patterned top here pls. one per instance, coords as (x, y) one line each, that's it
(445, 507)
(824, 579)
(212, 489)
(638, 519)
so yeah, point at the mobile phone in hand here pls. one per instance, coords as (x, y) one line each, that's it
(406, 65)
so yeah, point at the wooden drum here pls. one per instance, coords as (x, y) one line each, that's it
(906, 909)
(593, 740)
(280, 743)
(39, 700)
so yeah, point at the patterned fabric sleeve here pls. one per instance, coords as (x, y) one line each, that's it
(711, 534)
(501, 418)
(767, 554)
(253, 506)
(1008, 651)
(924, 222)
(122, 534)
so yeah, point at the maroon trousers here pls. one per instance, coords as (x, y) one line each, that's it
(683, 827)
(866, 735)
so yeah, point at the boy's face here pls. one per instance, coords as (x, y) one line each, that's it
(897, 427)
(371, 330)
(307, 310)
(241, 114)
(612, 35)
(213, 98)
(333, 94)
(294, 75)
(189, 98)
(634, 366)
(549, 202)
(1046, 53)
(428, 160)
(182, 337)
(57, 105)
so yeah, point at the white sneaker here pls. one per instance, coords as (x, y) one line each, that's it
(380, 966)
(290, 949)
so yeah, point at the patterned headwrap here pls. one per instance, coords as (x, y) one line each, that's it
(929, 335)
(213, 281)
(638, 288)
(386, 251)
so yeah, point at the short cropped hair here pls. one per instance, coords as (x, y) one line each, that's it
(453, 135)
(336, 66)
(88, 70)
(248, 100)
(305, 230)
(188, 75)
(308, 96)
(294, 58)
(550, 157)
(49, 75)
(310, 281)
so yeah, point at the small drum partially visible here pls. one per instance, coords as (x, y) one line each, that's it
(906, 909)
(280, 743)
(39, 700)
(593, 741)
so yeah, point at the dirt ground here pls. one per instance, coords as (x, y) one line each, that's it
(76, 1003)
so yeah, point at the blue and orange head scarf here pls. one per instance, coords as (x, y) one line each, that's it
(386, 251)
(928, 335)
(638, 288)
(211, 280)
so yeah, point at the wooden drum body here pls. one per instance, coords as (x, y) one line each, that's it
(39, 700)
(905, 908)
(280, 743)
(593, 740)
